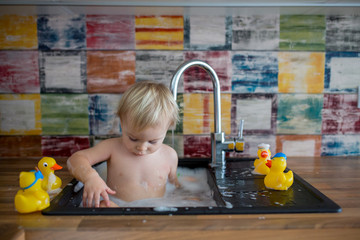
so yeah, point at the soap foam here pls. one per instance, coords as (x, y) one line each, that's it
(194, 192)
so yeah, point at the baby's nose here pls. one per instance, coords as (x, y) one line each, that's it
(141, 147)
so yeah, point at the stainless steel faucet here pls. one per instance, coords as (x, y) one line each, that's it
(218, 143)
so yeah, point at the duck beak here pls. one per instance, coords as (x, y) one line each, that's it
(264, 154)
(56, 167)
(268, 163)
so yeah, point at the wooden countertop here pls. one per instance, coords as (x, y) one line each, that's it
(336, 177)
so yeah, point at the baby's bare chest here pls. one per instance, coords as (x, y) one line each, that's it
(151, 173)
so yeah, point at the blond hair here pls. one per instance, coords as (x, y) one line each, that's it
(146, 103)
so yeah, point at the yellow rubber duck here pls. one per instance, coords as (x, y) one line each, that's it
(51, 183)
(260, 163)
(276, 178)
(31, 197)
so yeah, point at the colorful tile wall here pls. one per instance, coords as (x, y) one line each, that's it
(340, 114)
(63, 146)
(302, 32)
(199, 113)
(112, 32)
(197, 146)
(158, 66)
(64, 114)
(196, 79)
(159, 32)
(340, 145)
(19, 72)
(254, 72)
(257, 111)
(110, 71)
(343, 33)
(301, 72)
(207, 33)
(299, 145)
(62, 71)
(20, 114)
(102, 114)
(61, 32)
(342, 71)
(23, 36)
(20, 146)
(293, 78)
(299, 114)
(259, 32)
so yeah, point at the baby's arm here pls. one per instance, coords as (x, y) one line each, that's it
(173, 169)
(80, 166)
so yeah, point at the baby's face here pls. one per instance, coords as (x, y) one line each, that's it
(146, 141)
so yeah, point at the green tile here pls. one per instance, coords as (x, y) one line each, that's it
(65, 114)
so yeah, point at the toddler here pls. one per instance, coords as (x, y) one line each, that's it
(138, 163)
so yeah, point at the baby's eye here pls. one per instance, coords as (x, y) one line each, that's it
(132, 139)
(153, 142)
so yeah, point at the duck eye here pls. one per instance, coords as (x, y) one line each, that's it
(45, 164)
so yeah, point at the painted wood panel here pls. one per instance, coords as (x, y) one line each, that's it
(302, 32)
(342, 71)
(103, 119)
(18, 32)
(159, 32)
(301, 72)
(343, 33)
(158, 66)
(255, 32)
(207, 32)
(299, 114)
(199, 113)
(20, 146)
(196, 79)
(65, 114)
(62, 71)
(257, 111)
(19, 72)
(111, 32)
(340, 114)
(59, 146)
(61, 32)
(299, 145)
(20, 114)
(110, 71)
(340, 145)
(254, 72)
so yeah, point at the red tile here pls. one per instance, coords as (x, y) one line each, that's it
(63, 146)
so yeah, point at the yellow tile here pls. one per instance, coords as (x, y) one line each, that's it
(199, 113)
(301, 72)
(225, 113)
(168, 22)
(18, 32)
(193, 114)
(160, 36)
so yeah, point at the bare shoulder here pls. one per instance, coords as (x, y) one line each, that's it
(170, 153)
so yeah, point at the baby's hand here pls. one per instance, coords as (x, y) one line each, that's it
(95, 187)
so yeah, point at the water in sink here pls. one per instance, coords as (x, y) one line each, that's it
(194, 192)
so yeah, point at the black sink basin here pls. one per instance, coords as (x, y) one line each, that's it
(235, 190)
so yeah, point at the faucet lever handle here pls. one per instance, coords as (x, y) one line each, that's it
(241, 129)
(239, 141)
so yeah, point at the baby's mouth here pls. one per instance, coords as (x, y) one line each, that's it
(139, 153)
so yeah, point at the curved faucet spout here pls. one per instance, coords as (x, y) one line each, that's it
(216, 85)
